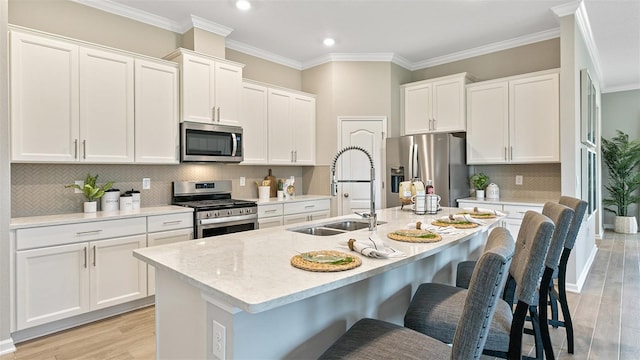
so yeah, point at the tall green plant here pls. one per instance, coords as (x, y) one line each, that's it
(90, 189)
(621, 158)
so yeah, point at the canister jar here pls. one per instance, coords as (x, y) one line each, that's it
(493, 191)
(110, 201)
(135, 196)
(126, 202)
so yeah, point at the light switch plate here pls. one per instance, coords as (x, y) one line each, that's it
(146, 183)
(243, 181)
(79, 183)
(518, 179)
(219, 340)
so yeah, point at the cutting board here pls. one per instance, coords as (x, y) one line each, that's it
(274, 184)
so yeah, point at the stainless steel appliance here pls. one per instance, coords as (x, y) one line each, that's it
(215, 212)
(210, 143)
(437, 157)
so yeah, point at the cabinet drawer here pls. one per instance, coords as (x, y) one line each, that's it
(169, 222)
(72, 233)
(306, 206)
(479, 205)
(518, 211)
(269, 210)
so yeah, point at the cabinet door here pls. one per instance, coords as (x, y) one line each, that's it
(417, 109)
(156, 113)
(106, 106)
(449, 105)
(303, 115)
(280, 128)
(163, 238)
(228, 93)
(270, 222)
(253, 118)
(319, 215)
(296, 218)
(198, 89)
(44, 99)
(52, 283)
(488, 123)
(534, 105)
(116, 276)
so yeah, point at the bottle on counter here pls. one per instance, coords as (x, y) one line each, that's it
(429, 187)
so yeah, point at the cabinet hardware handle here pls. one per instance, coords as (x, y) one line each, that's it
(75, 151)
(295, 156)
(505, 154)
(218, 113)
(89, 232)
(434, 124)
(172, 222)
(309, 206)
(270, 211)
(511, 155)
(84, 149)
(213, 114)
(94, 256)
(84, 250)
(291, 155)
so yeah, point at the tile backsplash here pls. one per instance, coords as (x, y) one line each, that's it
(540, 181)
(38, 189)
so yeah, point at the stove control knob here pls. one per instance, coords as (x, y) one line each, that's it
(229, 212)
(208, 215)
(216, 214)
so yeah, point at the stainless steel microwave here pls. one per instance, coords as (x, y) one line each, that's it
(210, 143)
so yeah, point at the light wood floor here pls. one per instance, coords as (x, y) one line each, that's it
(606, 318)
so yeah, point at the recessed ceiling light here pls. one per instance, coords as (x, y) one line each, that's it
(329, 42)
(243, 5)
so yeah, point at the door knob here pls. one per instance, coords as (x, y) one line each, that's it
(346, 195)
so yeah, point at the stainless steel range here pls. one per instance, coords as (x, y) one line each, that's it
(215, 212)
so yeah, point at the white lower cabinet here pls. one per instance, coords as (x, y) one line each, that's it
(163, 238)
(513, 220)
(278, 214)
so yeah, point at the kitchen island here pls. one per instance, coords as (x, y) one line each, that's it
(237, 296)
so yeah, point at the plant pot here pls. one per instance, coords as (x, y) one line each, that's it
(625, 225)
(90, 206)
(479, 194)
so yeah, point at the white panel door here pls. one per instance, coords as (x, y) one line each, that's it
(355, 165)
(106, 107)
(303, 116)
(488, 123)
(163, 238)
(52, 283)
(156, 113)
(534, 105)
(198, 89)
(253, 118)
(116, 276)
(280, 128)
(228, 93)
(44, 99)
(417, 108)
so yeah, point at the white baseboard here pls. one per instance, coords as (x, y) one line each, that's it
(577, 288)
(7, 346)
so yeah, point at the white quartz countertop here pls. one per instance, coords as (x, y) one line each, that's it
(61, 219)
(297, 198)
(509, 201)
(251, 270)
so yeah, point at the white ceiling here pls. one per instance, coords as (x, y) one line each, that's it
(413, 33)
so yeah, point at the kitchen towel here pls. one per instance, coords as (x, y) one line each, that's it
(374, 247)
(441, 230)
(461, 217)
(484, 210)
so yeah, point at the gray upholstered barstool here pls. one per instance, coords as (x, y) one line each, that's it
(375, 339)
(435, 309)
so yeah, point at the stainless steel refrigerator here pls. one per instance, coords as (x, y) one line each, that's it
(437, 157)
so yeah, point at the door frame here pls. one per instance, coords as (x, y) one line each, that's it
(380, 182)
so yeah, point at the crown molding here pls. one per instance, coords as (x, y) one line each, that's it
(263, 54)
(487, 49)
(363, 57)
(133, 14)
(566, 9)
(204, 24)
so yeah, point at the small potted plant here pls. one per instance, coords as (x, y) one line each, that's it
(280, 190)
(480, 182)
(622, 158)
(92, 191)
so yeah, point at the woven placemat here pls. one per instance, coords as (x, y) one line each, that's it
(414, 236)
(478, 215)
(301, 263)
(467, 225)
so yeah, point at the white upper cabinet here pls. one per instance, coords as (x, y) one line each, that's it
(106, 106)
(514, 120)
(292, 128)
(253, 118)
(435, 105)
(156, 112)
(44, 99)
(76, 102)
(211, 88)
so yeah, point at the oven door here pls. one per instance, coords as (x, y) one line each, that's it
(215, 227)
(210, 143)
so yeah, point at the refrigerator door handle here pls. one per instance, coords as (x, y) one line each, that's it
(411, 162)
(414, 162)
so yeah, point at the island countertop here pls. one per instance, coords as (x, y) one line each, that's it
(251, 271)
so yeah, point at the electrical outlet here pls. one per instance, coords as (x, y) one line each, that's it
(79, 183)
(146, 183)
(518, 179)
(219, 340)
(243, 181)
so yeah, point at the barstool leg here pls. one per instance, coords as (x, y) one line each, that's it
(568, 324)
(553, 302)
(543, 321)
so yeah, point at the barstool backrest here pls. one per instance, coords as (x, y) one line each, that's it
(561, 217)
(579, 209)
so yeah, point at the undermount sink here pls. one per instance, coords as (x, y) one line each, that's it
(333, 228)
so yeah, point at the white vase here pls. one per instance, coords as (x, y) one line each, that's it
(625, 225)
(90, 206)
(479, 194)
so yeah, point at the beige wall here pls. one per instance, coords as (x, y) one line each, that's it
(538, 56)
(319, 80)
(266, 71)
(399, 76)
(81, 22)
